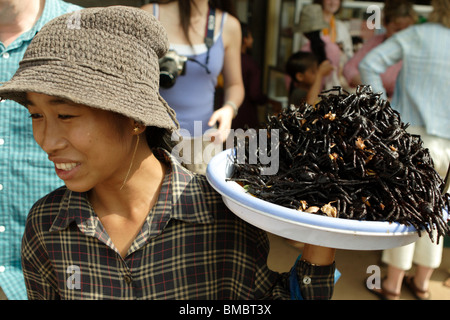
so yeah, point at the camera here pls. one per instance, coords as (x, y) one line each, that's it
(171, 66)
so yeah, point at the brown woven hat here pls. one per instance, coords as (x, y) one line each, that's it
(105, 58)
(311, 19)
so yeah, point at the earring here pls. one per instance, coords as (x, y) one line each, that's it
(136, 129)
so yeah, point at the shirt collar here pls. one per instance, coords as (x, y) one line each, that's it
(51, 10)
(182, 194)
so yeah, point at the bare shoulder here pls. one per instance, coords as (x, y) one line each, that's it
(231, 30)
(232, 24)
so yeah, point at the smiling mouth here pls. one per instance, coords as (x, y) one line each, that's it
(66, 166)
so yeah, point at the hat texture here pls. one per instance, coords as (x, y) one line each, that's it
(104, 58)
(311, 19)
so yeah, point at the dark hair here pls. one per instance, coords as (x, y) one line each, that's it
(185, 8)
(159, 138)
(299, 62)
(317, 45)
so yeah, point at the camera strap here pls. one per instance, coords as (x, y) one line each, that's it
(209, 38)
(209, 33)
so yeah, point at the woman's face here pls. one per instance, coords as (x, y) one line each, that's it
(88, 146)
(331, 6)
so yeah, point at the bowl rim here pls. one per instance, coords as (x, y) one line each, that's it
(216, 176)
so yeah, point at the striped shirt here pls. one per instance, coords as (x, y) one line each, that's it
(25, 172)
(422, 90)
(190, 247)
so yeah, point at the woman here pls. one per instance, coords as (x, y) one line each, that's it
(192, 96)
(130, 222)
(312, 24)
(336, 31)
(397, 15)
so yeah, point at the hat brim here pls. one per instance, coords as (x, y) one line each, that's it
(91, 87)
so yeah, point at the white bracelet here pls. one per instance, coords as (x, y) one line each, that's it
(234, 106)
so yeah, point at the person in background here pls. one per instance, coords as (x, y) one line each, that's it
(306, 77)
(337, 31)
(252, 76)
(397, 15)
(421, 97)
(192, 95)
(130, 221)
(312, 24)
(24, 168)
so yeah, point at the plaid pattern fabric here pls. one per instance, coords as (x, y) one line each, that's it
(25, 172)
(190, 247)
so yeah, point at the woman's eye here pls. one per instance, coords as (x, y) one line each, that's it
(34, 116)
(65, 116)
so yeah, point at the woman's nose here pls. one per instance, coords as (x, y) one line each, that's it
(49, 137)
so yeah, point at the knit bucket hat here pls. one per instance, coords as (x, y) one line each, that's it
(104, 58)
(311, 19)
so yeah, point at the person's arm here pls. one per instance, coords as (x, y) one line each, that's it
(35, 264)
(377, 61)
(350, 71)
(324, 69)
(316, 255)
(232, 75)
(312, 277)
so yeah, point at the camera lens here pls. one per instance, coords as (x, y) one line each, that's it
(168, 73)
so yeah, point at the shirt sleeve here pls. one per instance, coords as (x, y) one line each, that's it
(378, 61)
(305, 281)
(309, 282)
(36, 266)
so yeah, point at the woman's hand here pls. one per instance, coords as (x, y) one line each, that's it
(223, 117)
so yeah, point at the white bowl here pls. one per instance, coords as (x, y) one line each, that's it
(302, 226)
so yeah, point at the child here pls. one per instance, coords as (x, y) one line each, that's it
(307, 77)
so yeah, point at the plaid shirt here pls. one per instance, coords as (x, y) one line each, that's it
(190, 247)
(25, 172)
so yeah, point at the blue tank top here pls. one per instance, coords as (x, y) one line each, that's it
(192, 96)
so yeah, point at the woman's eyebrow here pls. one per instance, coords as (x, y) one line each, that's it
(54, 101)
(27, 103)
(59, 101)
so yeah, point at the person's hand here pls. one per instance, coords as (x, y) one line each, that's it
(325, 68)
(224, 117)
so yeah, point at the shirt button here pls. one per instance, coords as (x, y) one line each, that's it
(306, 280)
(127, 279)
(1, 187)
(2, 228)
(2, 142)
(2, 269)
(6, 55)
